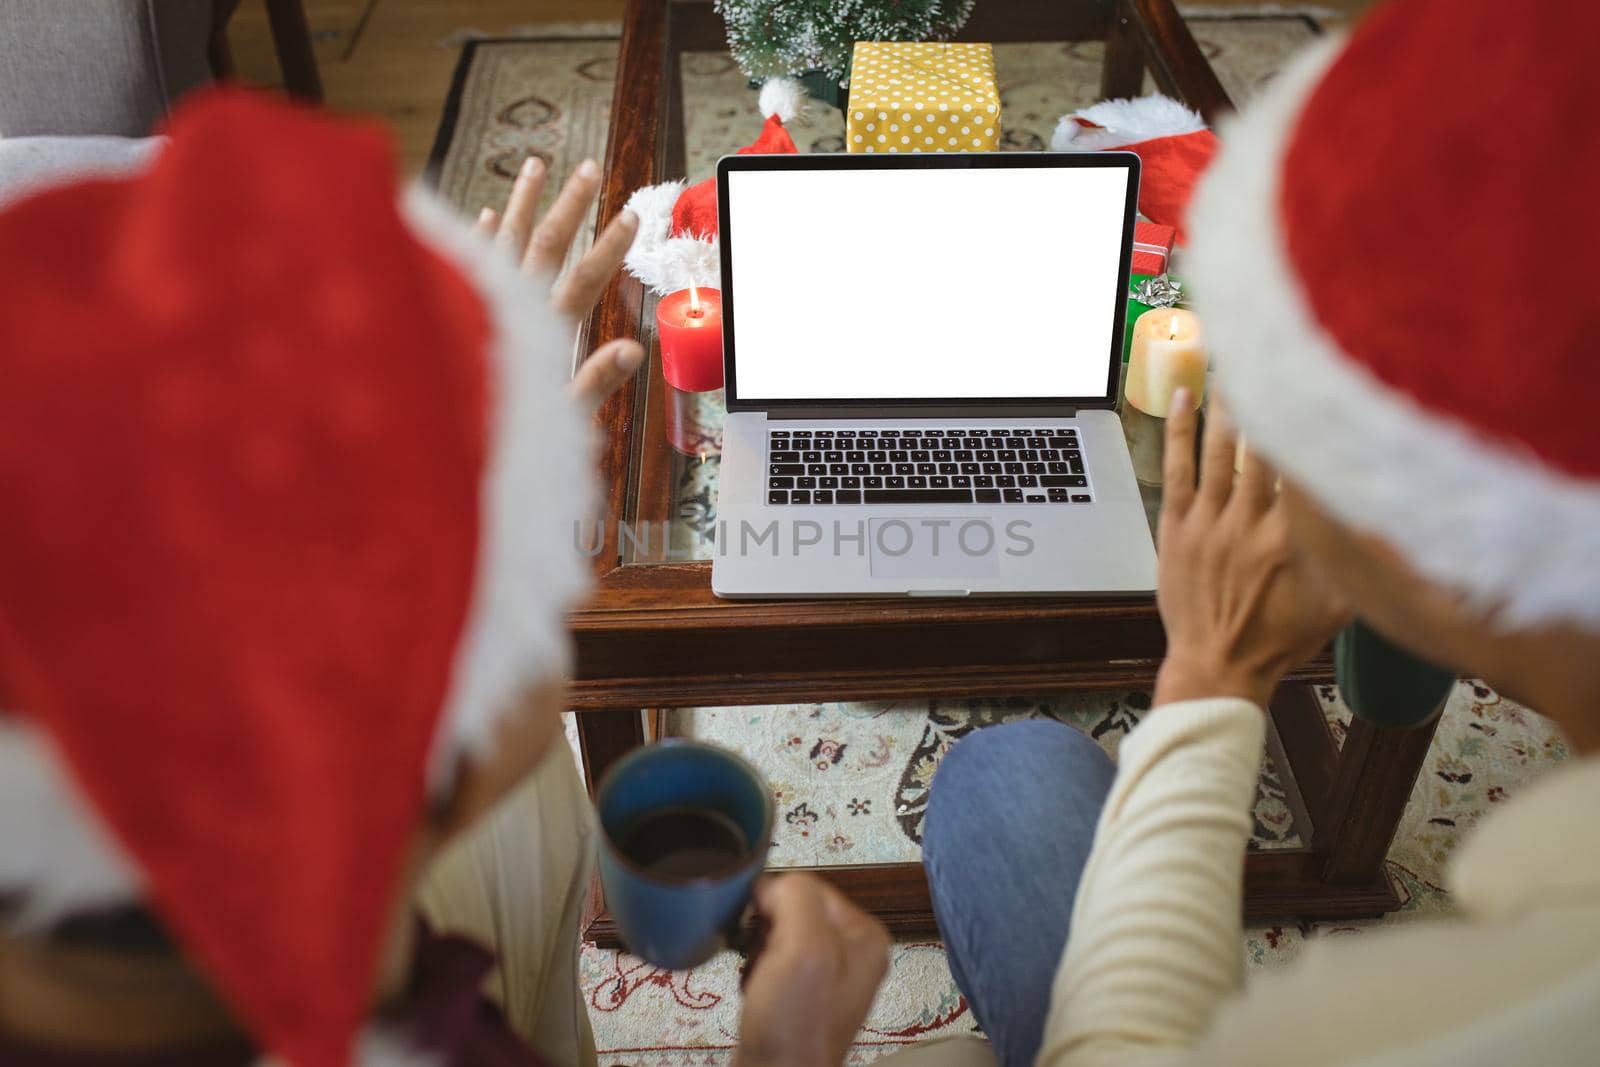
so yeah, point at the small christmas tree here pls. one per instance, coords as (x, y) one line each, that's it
(772, 37)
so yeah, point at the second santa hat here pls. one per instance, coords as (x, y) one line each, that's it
(676, 246)
(1385, 296)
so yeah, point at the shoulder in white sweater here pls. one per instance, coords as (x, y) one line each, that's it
(1153, 970)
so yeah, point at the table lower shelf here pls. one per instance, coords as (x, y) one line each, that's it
(1277, 884)
(1352, 796)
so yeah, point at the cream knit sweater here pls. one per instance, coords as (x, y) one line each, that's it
(1152, 973)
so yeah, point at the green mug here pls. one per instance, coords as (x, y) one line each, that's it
(1384, 684)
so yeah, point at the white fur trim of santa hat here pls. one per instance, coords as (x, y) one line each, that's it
(383, 1045)
(1123, 122)
(538, 487)
(1509, 533)
(379, 1045)
(54, 839)
(54, 852)
(665, 263)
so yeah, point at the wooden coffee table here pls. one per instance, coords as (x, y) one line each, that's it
(655, 637)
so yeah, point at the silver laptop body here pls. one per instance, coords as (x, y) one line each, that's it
(922, 358)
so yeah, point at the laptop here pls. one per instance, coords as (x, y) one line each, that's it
(922, 358)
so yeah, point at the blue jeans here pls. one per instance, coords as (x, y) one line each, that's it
(1011, 815)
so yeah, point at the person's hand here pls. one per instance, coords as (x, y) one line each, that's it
(541, 247)
(809, 989)
(1241, 607)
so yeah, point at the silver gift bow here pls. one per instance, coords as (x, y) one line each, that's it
(1162, 291)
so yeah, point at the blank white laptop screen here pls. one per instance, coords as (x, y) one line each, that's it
(921, 284)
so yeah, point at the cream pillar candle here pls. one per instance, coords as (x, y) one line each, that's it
(1167, 353)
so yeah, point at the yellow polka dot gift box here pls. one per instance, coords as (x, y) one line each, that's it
(929, 97)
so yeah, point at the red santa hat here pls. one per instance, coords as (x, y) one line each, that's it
(676, 245)
(1383, 283)
(290, 486)
(1172, 142)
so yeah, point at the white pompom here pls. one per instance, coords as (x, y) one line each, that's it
(783, 97)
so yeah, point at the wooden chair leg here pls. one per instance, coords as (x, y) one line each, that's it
(218, 53)
(291, 37)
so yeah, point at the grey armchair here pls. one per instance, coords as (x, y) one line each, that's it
(116, 67)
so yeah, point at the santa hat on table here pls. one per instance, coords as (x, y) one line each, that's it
(1172, 142)
(1386, 296)
(282, 538)
(676, 245)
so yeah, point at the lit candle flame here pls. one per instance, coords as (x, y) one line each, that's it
(1173, 324)
(694, 301)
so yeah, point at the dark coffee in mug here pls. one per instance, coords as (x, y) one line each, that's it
(684, 842)
(685, 829)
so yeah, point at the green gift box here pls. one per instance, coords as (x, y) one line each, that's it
(1136, 308)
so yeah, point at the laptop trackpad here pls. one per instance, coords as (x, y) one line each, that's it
(921, 548)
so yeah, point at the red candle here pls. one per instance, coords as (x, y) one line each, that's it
(689, 324)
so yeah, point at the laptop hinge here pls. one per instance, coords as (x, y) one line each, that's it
(918, 411)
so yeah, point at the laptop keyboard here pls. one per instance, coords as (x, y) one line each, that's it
(963, 465)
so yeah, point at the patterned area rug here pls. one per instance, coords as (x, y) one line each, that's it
(851, 780)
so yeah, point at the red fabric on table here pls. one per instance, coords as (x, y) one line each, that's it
(1169, 169)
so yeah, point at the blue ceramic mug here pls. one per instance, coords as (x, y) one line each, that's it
(685, 829)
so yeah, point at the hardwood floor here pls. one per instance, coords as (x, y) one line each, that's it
(393, 58)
